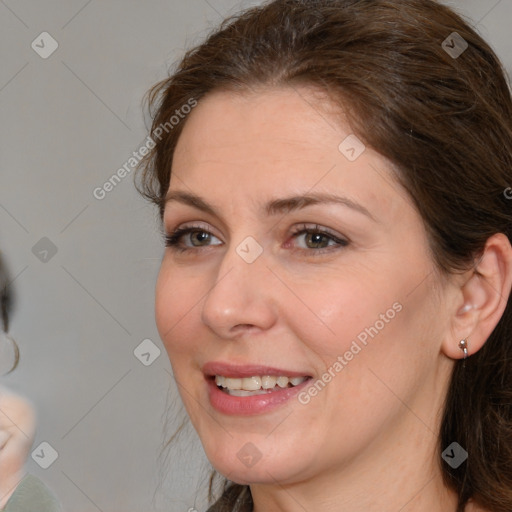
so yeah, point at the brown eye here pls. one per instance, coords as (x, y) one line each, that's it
(200, 235)
(316, 240)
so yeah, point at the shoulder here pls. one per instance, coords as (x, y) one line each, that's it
(32, 494)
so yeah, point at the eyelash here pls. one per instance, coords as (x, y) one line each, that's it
(173, 239)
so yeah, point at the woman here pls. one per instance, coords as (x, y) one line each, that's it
(334, 296)
(19, 491)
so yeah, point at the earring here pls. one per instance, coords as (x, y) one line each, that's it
(463, 344)
(465, 308)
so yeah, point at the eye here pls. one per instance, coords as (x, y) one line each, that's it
(174, 239)
(318, 239)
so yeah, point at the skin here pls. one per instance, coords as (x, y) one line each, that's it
(367, 441)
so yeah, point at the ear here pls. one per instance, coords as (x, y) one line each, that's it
(482, 299)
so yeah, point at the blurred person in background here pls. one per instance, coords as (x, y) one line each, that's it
(19, 491)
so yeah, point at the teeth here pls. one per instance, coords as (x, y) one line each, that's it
(255, 383)
(282, 382)
(251, 383)
(268, 381)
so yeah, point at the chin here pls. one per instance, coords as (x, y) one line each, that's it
(259, 469)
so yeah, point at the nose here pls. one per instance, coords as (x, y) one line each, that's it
(241, 297)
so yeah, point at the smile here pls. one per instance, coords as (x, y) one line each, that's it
(242, 402)
(256, 385)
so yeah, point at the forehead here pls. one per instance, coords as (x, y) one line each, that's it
(287, 122)
(287, 139)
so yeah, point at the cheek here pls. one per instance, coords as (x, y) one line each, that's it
(331, 311)
(176, 296)
(373, 318)
(365, 339)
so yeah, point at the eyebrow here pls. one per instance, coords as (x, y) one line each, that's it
(275, 206)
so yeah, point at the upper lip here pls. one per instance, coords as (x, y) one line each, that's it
(247, 370)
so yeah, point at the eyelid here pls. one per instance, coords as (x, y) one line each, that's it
(294, 230)
(199, 225)
(312, 227)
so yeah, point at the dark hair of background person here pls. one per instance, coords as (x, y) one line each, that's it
(446, 125)
(6, 306)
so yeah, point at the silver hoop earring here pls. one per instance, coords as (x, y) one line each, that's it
(463, 344)
(9, 353)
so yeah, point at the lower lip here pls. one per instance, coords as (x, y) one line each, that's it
(249, 405)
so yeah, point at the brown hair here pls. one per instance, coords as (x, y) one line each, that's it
(445, 122)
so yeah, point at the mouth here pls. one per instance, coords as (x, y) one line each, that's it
(246, 389)
(267, 392)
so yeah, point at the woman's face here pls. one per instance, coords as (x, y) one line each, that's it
(354, 303)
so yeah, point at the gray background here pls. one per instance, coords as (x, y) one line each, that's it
(68, 123)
